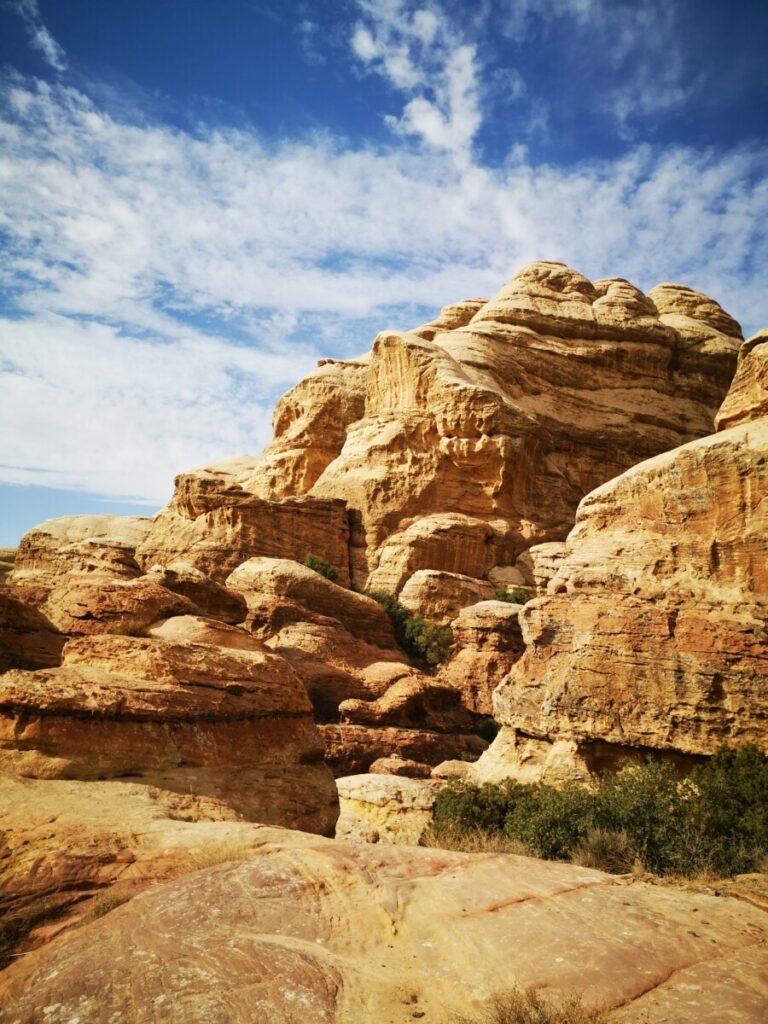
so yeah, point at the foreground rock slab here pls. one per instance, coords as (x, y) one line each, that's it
(333, 932)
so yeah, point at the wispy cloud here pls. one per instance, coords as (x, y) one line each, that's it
(417, 50)
(164, 285)
(39, 36)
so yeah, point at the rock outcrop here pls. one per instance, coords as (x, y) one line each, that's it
(488, 642)
(214, 524)
(217, 721)
(457, 446)
(84, 545)
(328, 932)
(653, 633)
(387, 809)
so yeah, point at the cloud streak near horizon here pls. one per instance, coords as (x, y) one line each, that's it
(167, 284)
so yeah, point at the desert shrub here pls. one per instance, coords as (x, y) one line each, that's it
(514, 596)
(713, 822)
(472, 841)
(487, 729)
(548, 820)
(527, 1006)
(424, 641)
(606, 850)
(318, 565)
(462, 807)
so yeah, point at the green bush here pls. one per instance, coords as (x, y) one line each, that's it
(487, 729)
(715, 821)
(515, 596)
(318, 565)
(422, 640)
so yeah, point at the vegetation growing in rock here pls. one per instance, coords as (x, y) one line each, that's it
(318, 565)
(527, 1006)
(514, 596)
(487, 729)
(715, 820)
(424, 641)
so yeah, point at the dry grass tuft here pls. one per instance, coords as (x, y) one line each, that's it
(527, 1006)
(607, 850)
(216, 853)
(472, 841)
(103, 902)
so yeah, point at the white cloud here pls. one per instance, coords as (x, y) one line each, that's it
(168, 284)
(39, 36)
(418, 51)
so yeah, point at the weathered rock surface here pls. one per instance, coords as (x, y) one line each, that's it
(27, 638)
(86, 605)
(352, 749)
(401, 766)
(100, 544)
(440, 596)
(414, 702)
(506, 412)
(213, 524)
(654, 631)
(341, 932)
(62, 843)
(747, 398)
(379, 808)
(7, 560)
(212, 598)
(488, 642)
(192, 718)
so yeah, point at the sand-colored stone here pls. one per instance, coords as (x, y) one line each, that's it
(310, 426)
(747, 398)
(27, 638)
(378, 808)
(192, 718)
(488, 642)
(448, 542)
(347, 933)
(210, 597)
(213, 524)
(85, 605)
(654, 631)
(440, 596)
(413, 702)
(542, 561)
(98, 544)
(281, 577)
(352, 749)
(7, 560)
(451, 317)
(65, 843)
(402, 767)
(556, 385)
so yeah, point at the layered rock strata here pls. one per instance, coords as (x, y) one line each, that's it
(188, 717)
(653, 633)
(491, 422)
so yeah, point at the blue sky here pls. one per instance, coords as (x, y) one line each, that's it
(198, 199)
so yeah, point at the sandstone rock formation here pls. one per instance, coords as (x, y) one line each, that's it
(487, 425)
(351, 749)
(218, 721)
(100, 544)
(7, 560)
(214, 524)
(27, 638)
(440, 596)
(210, 597)
(488, 642)
(653, 633)
(68, 847)
(379, 808)
(339, 932)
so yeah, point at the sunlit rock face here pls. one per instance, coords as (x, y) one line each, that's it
(226, 720)
(504, 412)
(653, 633)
